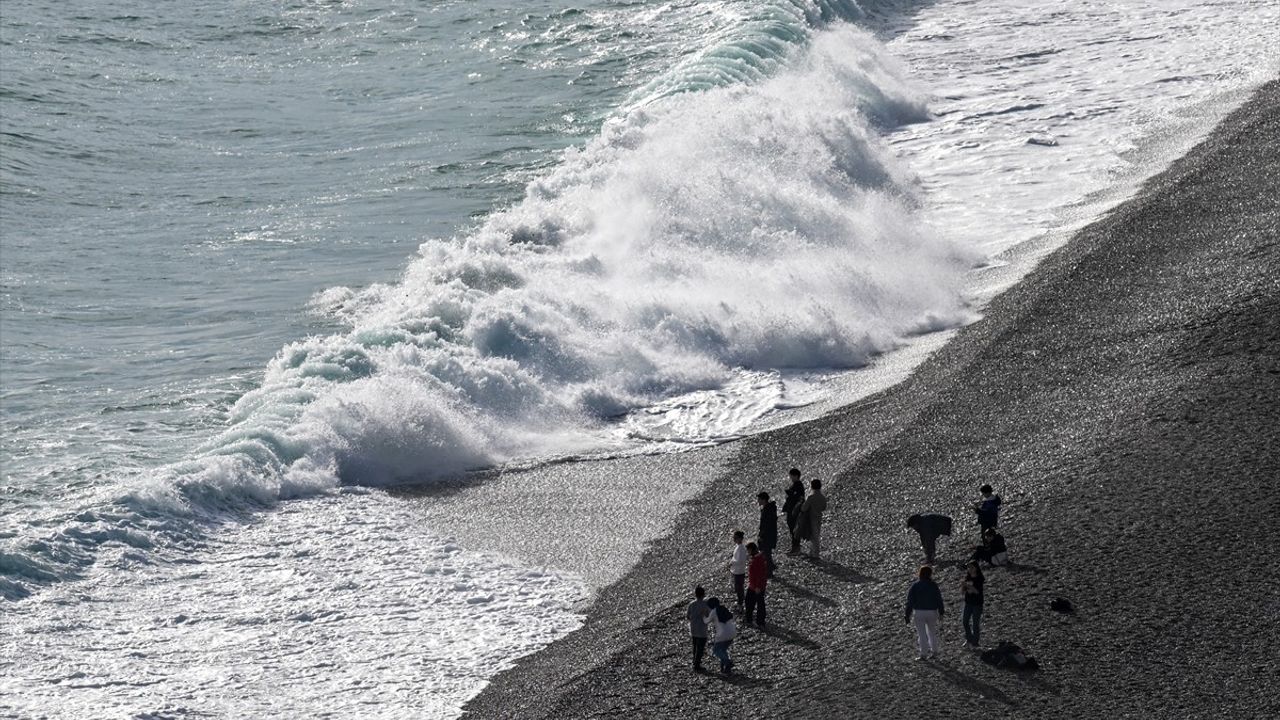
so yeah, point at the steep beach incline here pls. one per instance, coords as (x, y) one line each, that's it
(1124, 399)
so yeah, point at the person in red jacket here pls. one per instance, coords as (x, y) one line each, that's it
(757, 579)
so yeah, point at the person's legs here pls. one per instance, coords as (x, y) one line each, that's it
(815, 540)
(727, 657)
(699, 649)
(922, 632)
(753, 599)
(739, 588)
(930, 544)
(721, 651)
(977, 624)
(768, 559)
(935, 639)
(760, 596)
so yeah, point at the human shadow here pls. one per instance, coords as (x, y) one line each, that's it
(971, 684)
(805, 593)
(1021, 568)
(791, 637)
(841, 572)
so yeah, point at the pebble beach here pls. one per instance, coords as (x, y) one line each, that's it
(1124, 400)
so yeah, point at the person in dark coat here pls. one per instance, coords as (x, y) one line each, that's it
(925, 606)
(791, 507)
(987, 509)
(930, 527)
(767, 537)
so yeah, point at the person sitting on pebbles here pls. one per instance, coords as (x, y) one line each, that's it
(993, 550)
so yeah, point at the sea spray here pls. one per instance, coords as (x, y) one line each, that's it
(747, 227)
(700, 243)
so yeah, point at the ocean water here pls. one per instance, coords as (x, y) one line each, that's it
(261, 260)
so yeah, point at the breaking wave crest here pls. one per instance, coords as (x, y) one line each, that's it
(701, 238)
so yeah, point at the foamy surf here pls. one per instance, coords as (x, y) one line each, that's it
(729, 236)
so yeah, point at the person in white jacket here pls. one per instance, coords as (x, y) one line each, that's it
(723, 631)
(738, 567)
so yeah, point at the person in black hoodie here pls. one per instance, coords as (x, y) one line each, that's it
(767, 537)
(791, 507)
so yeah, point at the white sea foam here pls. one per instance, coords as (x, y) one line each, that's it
(698, 242)
(326, 608)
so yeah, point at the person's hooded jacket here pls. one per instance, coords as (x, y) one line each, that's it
(768, 536)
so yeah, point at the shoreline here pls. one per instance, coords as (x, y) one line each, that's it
(1077, 418)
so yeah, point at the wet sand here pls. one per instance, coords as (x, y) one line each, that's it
(1124, 399)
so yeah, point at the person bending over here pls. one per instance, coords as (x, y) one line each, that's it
(930, 527)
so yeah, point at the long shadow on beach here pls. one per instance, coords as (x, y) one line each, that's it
(792, 637)
(738, 679)
(972, 684)
(1020, 568)
(805, 593)
(841, 572)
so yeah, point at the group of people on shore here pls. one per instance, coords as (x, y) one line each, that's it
(751, 565)
(924, 598)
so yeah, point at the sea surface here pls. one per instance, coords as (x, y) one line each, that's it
(260, 261)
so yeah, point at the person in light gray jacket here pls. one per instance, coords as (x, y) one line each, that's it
(810, 525)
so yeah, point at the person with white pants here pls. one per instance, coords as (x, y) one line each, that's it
(924, 602)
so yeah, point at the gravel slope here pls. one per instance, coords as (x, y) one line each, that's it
(1124, 399)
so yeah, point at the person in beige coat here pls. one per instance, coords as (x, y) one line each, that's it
(809, 526)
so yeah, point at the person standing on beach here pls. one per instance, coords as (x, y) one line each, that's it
(988, 509)
(767, 536)
(724, 629)
(791, 507)
(925, 606)
(697, 613)
(972, 587)
(810, 525)
(757, 580)
(738, 567)
(930, 527)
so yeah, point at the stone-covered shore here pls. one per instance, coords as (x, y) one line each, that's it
(1124, 398)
